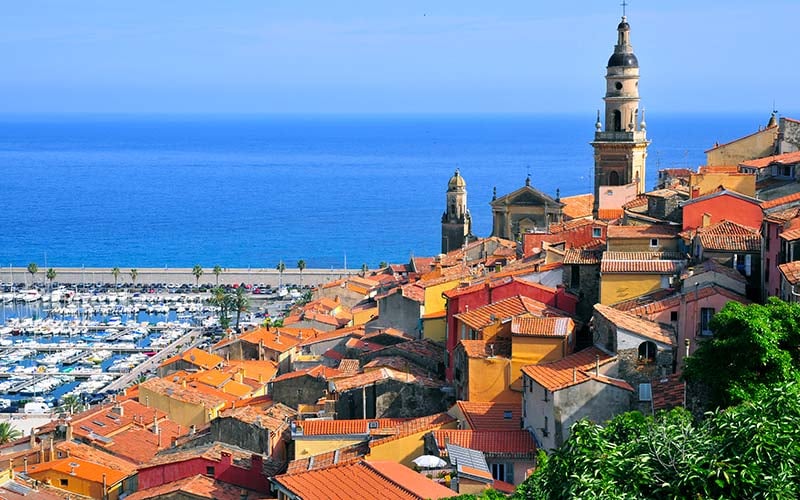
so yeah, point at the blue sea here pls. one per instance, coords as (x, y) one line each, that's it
(239, 191)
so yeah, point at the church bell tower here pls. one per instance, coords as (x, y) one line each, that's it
(620, 139)
(456, 220)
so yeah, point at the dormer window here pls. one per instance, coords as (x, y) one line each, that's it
(653, 242)
(597, 232)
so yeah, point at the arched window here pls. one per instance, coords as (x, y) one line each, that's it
(613, 178)
(617, 121)
(647, 352)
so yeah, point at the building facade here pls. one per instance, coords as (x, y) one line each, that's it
(456, 220)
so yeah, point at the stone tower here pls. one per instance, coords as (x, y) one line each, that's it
(620, 142)
(456, 220)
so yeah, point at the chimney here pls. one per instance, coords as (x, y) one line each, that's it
(68, 435)
(147, 401)
(225, 460)
(158, 435)
(52, 449)
(105, 487)
(243, 494)
(117, 408)
(183, 383)
(597, 364)
(155, 423)
(695, 192)
(192, 430)
(33, 439)
(574, 374)
(25, 464)
(256, 462)
(706, 220)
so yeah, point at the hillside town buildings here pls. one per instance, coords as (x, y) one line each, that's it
(447, 374)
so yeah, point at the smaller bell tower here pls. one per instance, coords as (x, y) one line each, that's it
(456, 220)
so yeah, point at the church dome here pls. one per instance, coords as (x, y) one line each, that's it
(456, 181)
(622, 59)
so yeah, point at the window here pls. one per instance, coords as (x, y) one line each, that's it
(647, 352)
(546, 432)
(653, 242)
(645, 392)
(546, 395)
(64, 482)
(507, 415)
(673, 315)
(597, 232)
(613, 178)
(617, 122)
(503, 472)
(575, 277)
(706, 313)
(209, 470)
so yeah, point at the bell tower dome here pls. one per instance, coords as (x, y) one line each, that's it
(456, 220)
(620, 141)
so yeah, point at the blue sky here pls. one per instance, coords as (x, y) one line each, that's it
(373, 56)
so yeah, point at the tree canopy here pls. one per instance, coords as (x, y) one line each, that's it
(753, 347)
(751, 450)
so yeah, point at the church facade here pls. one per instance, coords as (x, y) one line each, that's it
(620, 139)
(525, 210)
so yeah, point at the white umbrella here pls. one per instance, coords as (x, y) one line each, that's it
(429, 461)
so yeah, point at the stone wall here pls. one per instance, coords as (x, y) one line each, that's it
(299, 390)
(587, 288)
(392, 399)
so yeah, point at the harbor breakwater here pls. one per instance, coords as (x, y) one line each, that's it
(178, 276)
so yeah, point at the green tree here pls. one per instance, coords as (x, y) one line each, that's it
(364, 269)
(134, 274)
(301, 265)
(217, 271)
(240, 303)
(383, 264)
(752, 348)
(51, 276)
(220, 299)
(115, 273)
(70, 404)
(281, 267)
(197, 271)
(33, 268)
(8, 433)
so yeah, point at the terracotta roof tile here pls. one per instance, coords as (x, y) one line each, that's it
(252, 415)
(85, 470)
(610, 214)
(415, 426)
(638, 232)
(530, 326)
(197, 395)
(319, 371)
(791, 271)
(485, 349)
(574, 369)
(349, 366)
(784, 159)
(374, 376)
(642, 262)
(92, 454)
(638, 326)
(197, 357)
(395, 362)
(578, 206)
(583, 257)
(482, 416)
(200, 487)
(729, 236)
(668, 392)
(360, 480)
(345, 454)
(504, 309)
(639, 201)
(719, 169)
(517, 443)
(415, 482)
(783, 200)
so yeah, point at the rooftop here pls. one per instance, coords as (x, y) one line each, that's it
(574, 369)
(197, 487)
(487, 315)
(649, 231)
(636, 325)
(483, 416)
(791, 271)
(728, 236)
(530, 326)
(784, 159)
(197, 357)
(518, 443)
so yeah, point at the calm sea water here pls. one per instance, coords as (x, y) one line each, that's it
(140, 191)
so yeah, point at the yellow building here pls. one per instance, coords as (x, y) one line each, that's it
(187, 404)
(80, 477)
(626, 275)
(650, 238)
(756, 145)
(706, 182)
(537, 340)
(482, 371)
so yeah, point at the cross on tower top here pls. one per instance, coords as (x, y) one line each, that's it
(624, 4)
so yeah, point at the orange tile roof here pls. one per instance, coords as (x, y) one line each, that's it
(252, 415)
(349, 366)
(200, 487)
(574, 369)
(319, 371)
(415, 426)
(211, 451)
(198, 394)
(374, 376)
(784, 159)
(504, 309)
(361, 480)
(92, 454)
(353, 331)
(669, 299)
(530, 326)
(639, 201)
(791, 271)
(197, 357)
(82, 469)
(719, 169)
(482, 416)
(105, 421)
(637, 232)
(728, 236)
(141, 445)
(345, 454)
(640, 262)
(578, 206)
(275, 339)
(668, 392)
(783, 200)
(484, 349)
(582, 257)
(324, 427)
(398, 363)
(262, 370)
(518, 443)
(677, 172)
(610, 213)
(638, 326)
(214, 378)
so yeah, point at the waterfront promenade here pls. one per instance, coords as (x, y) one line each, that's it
(178, 276)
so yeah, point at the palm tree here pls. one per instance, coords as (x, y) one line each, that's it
(51, 275)
(301, 264)
(33, 269)
(115, 272)
(8, 433)
(134, 274)
(70, 403)
(217, 271)
(221, 300)
(281, 267)
(240, 302)
(383, 264)
(197, 270)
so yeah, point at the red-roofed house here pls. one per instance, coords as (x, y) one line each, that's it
(735, 246)
(719, 206)
(192, 359)
(559, 393)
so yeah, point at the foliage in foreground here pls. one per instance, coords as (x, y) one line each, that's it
(753, 348)
(747, 451)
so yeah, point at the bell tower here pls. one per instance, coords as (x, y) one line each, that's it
(620, 139)
(456, 220)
